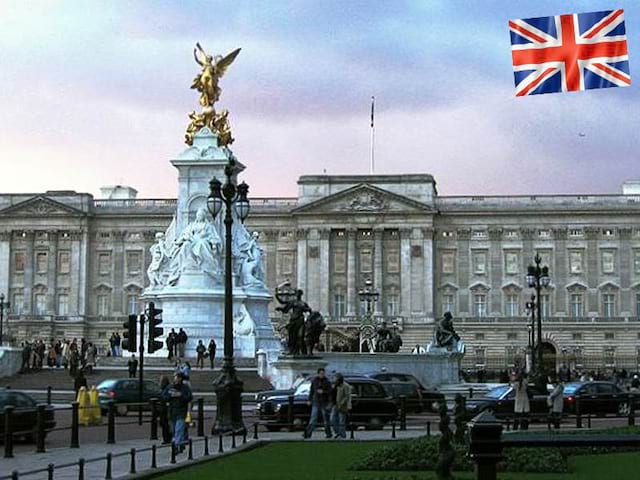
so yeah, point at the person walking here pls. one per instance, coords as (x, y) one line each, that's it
(341, 399)
(319, 401)
(91, 358)
(163, 412)
(178, 395)
(212, 351)
(132, 365)
(79, 381)
(521, 405)
(182, 343)
(555, 401)
(200, 351)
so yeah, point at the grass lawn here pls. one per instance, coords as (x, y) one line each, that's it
(329, 461)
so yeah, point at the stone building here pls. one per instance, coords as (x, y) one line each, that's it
(72, 265)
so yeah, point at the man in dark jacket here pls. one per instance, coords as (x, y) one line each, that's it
(319, 400)
(132, 364)
(178, 395)
(212, 351)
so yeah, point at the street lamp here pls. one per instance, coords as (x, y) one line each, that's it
(3, 305)
(538, 278)
(227, 386)
(531, 310)
(369, 295)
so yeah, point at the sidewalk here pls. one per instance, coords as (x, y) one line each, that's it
(121, 463)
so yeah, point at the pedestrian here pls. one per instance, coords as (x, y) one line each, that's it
(212, 351)
(200, 351)
(521, 405)
(26, 355)
(163, 412)
(132, 364)
(182, 343)
(341, 400)
(319, 401)
(555, 401)
(112, 344)
(118, 345)
(178, 395)
(91, 358)
(74, 360)
(79, 381)
(418, 350)
(172, 340)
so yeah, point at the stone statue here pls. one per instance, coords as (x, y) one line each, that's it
(295, 328)
(251, 273)
(198, 248)
(206, 82)
(386, 341)
(243, 324)
(158, 259)
(314, 327)
(445, 336)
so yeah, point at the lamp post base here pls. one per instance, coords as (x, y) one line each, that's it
(228, 390)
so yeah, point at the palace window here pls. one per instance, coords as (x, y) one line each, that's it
(479, 260)
(42, 264)
(576, 305)
(608, 305)
(132, 304)
(366, 261)
(575, 232)
(339, 305)
(608, 258)
(18, 303)
(638, 305)
(393, 261)
(448, 303)
(512, 305)
(448, 260)
(576, 336)
(609, 336)
(545, 305)
(134, 262)
(340, 261)
(104, 263)
(636, 261)
(479, 234)
(393, 302)
(64, 262)
(481, 356)
(511, 262)
(63, 304)
(18, 262)
(575, 262)
(609, 354)
(286, 263)
(545, 257)
(41, 303)
(480, 305)
(103, 304)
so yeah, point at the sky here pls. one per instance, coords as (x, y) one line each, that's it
(97, 93)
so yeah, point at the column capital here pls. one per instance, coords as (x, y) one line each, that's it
(560, 233)
(428, 233)
(528, 233)
(463, 233)
(625, 233)
(324, 233)
(301, 233)
(591, 233)
(495, 233)
(5, 235)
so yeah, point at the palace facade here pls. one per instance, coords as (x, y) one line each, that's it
(72, 265)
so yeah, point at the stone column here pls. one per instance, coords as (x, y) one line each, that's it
(405, 272)
(5, 262)
(80, 278)
(417, 271)
(28, 274)
(429, 264)
(351, 273)
(301, 258)
(593, 270)
(496, 272)
(52, 272)
(118, 265)
(324, 271)
(378, 271)
(463, 267)
(559, 273)
(625, 265)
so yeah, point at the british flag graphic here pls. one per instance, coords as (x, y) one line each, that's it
(569, 52)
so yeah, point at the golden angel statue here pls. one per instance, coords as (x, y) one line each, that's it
(213, 68)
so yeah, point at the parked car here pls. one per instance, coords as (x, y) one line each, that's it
(24, 416)
(598, 398)
(419, 398)
(372, 405)
(123, 391)
(501, 401)
(260, 396)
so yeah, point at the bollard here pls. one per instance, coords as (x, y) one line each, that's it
(589, 421)
(14, 475)
(428, 429)
(484, 445)
(132, 468)
(50, 469)
(107, 474)
(201, 417)
(351, 433)
(290, 412)
(255, 431)
(470, 392)
(81, 469)
(206, 446)
(233, 439)
(632, 411)
(403, 412)
(220, 449)
(578, 414)
(173, 453)
(244, 436)
(40, 434)
(154, 419)
(75, 442)
(111, 422)
(393, 429)
(49, 395)
(154, 463)
(190, 450)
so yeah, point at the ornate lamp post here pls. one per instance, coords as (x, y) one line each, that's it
(531, 310)
(228, 387)
(3, 305)
(538, 278)
(369, 296)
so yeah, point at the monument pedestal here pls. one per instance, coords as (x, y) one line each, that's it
(286, 369)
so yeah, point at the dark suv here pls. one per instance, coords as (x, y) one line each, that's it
(24, 416)
(123, 391)
(372, 406)
(418, 398)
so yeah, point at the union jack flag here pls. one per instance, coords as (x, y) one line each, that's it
(569, 52)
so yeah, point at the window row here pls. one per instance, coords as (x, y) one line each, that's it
(391, 305)
(61, 307)
(133, 262)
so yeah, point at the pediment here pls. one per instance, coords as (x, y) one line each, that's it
(363, 198)
(40, 206)
(511, 286)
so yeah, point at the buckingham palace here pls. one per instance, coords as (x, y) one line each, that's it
(72, 265)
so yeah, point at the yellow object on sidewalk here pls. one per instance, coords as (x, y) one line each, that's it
(95, 415)
(188, 420)
(84, 415)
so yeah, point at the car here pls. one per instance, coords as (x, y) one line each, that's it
(419, 398)
(373, 407)
(501, 399)
(24, 417)
(260, 396)
(598, 398)
(123, 391)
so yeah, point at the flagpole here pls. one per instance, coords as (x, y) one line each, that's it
(373, 137)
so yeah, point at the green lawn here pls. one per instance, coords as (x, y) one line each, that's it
(329, 461)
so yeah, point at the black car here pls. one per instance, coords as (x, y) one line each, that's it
(263, 395)
(372, 405)
(598, 398)
(24, 416)
(419, 398)
(501, 400)
(123, 391)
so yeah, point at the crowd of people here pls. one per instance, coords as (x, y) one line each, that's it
(63, 353)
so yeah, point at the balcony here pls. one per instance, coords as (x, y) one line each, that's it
(142, 205)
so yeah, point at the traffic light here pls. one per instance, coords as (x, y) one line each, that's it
(155, 318)
(130, 335)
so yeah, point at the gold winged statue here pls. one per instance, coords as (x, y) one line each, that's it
(206, 82)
